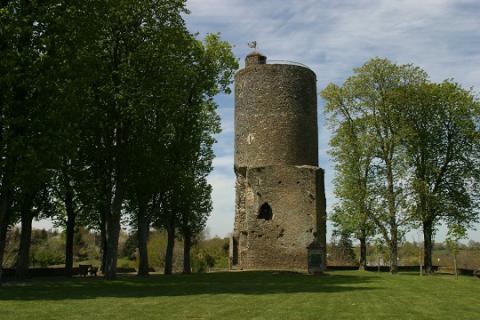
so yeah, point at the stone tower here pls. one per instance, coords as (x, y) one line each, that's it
(280, 218)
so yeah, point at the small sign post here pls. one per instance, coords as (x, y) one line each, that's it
(315, 256)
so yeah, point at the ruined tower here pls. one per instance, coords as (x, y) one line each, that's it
(280, 219)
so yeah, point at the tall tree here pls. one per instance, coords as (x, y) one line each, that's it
(7, 162)
(102, 104)
(456, 232)
(29, 111)
(353, 152)
(196, 122)
(193, 218)
(130, 35)
(369, 93)
(442, 141)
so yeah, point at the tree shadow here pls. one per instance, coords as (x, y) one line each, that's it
(246, 283)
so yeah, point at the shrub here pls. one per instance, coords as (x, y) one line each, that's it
(46, 257)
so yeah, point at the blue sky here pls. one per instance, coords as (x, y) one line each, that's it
(333, 37)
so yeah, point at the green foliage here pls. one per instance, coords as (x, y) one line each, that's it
(129, 247)
(202, 262)
(406, 152)
(47, 248)
(206, 254)
(210, 254)
(44, 258)
(102, 103)
(84, 246)
(341, 249)
(455, 233)
(441, 138)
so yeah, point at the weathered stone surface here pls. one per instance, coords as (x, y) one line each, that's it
(275, 116)
(255, 58)
(280, 197)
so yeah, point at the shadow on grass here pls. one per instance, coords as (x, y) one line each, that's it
(248, 283)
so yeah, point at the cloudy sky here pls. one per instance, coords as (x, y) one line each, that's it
(332, 37)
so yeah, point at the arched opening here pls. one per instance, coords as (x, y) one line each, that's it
(265, 212)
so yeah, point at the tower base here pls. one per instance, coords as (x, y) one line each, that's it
(280, 217)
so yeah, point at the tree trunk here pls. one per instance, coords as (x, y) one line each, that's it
(394, 251)
(5, 204)
(3, 238)
(142, 237)
(392, 212)
(23, 258)
(363, 253)
(170, 244)
(5, 212)
(113, 233)
(103, 239)
(427, 246)
(455, 263)
(71, 217)
(187, 245)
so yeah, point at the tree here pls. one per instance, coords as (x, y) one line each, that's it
(353, 153)
(136, 58)
(368, 97)
(379, 245)
(442, 143)
(343, 248)
(102, 104)
(456, 232)
(64, 199)
(194, 217)
(191, 152)
(29, 114)
(7, 161)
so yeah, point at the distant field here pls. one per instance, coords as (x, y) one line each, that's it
(246, 295)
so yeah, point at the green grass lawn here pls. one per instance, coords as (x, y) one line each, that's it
(246, 295)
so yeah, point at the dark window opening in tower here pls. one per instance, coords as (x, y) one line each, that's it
(265, 212)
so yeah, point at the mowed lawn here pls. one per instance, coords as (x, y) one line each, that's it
(246, 295)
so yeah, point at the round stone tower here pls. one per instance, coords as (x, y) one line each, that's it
(280, 200)
(275, 114)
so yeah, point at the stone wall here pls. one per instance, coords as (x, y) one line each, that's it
(297, 202)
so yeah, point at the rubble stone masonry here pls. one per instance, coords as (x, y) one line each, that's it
(280, 196)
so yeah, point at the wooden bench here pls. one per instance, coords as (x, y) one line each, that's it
(83, 269)
(87, 270)
(93, 271)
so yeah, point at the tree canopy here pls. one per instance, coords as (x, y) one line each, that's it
(405, 152)
(107, 115)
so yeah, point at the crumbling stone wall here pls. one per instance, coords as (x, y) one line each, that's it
(280, 198)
